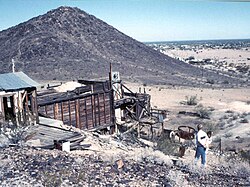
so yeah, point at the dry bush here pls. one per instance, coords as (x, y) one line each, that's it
(245, 155)
(229, 111)
(217, 139)
(222, 125)
(15, 133)
(192, 100)
(211, 126)
(203, 112)
(168, 147)
(244, 120)
(228, 135)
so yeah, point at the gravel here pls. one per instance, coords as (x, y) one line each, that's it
(34, 167)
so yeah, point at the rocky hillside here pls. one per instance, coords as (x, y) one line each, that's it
(127, 165)
(67, 43)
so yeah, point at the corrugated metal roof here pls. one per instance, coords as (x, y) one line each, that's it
(16, 81)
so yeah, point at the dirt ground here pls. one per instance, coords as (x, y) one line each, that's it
(229, 115)
(228, 55)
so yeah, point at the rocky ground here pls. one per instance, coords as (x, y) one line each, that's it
(115, 161)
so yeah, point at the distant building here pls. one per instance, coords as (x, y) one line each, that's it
(18, 102)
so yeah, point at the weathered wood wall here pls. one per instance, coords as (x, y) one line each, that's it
(84, 111)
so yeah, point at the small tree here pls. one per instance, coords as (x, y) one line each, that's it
(192, 100)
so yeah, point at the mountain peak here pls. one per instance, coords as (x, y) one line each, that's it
(66, 10)
(67, 43)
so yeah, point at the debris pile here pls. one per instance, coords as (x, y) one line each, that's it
(111, 161)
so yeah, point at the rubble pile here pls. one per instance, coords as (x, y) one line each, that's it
(110, 161)
(24, 167)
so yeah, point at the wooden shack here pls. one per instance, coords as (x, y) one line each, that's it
(18, 98)
(87, 107)
(94, 105)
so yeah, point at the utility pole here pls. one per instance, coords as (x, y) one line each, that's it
(13, 65)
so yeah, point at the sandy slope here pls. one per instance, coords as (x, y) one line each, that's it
(167, 98)
(230, 107)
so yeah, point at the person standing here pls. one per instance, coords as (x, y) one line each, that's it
(201, 144)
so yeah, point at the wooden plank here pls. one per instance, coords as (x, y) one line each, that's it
(71, 97)
(76, 113)
(69, 113)
(79, 113)
(94, 110)
(46, 110)
(104, 102)
(36, 107)
(26, 105)
(87, 125)
(56, 111)
(86, 112)
(62, 114)
(98, 103)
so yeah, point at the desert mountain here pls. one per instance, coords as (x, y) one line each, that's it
(67, 43)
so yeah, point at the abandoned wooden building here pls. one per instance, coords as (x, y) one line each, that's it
(93, 105)
(86, 107)
(18, 98)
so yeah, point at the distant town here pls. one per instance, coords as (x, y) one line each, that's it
(229, 56)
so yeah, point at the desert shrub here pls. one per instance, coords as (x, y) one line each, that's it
(225, 117)
(203, 112)
(161, 88)
(221, 125)
(245, 155)
(244, 120)
(243, 115)
(14, 132)
(229, 111)
(167, 147)
(210, 126)
(228, 135)
(192, 100)
(190, 58)
(240, 140)
(216, 139)
(225, 82)
(234, 117)
(210, 81)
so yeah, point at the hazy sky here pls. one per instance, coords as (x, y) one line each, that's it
(148, 20)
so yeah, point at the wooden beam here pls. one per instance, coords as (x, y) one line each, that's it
(56, 110)
(2, 108)
(70, 123)
(104, 105)
(85, 105)
(61, 99)
(77, 113)
(46, 110)
(99, 116)
(92, 111)
(62, 112)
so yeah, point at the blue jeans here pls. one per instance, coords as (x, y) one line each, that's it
(201, 151)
